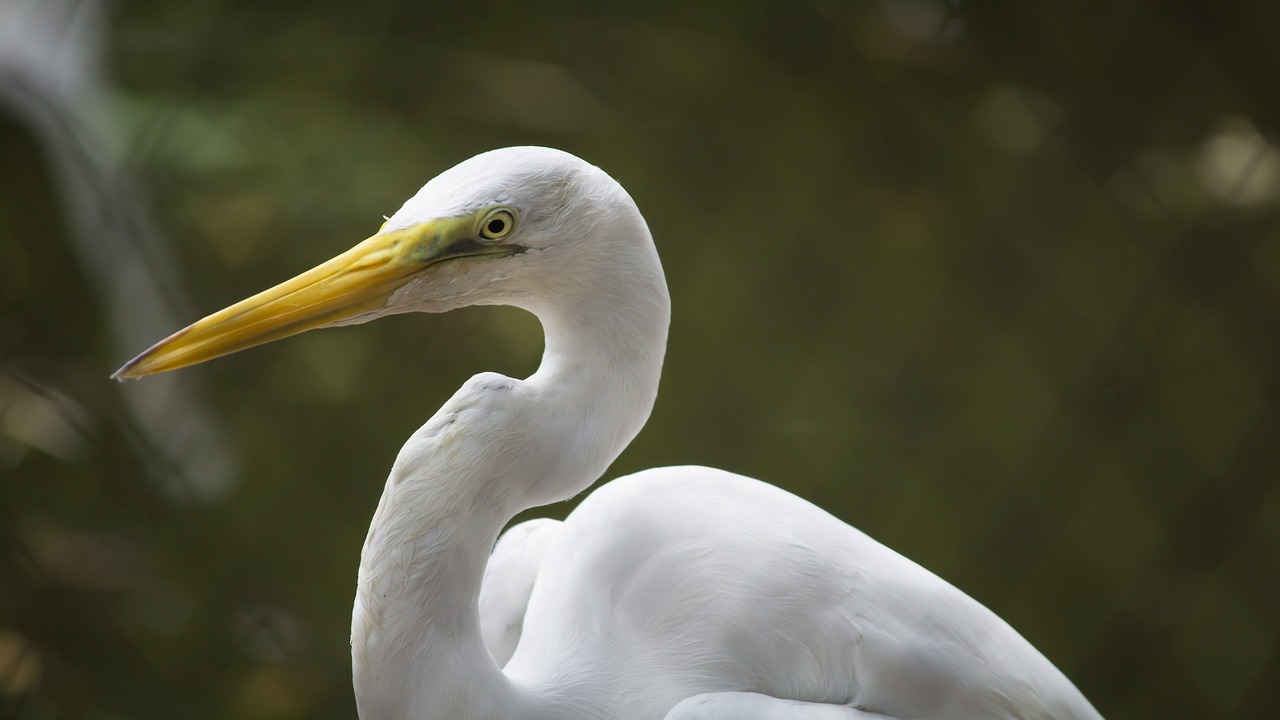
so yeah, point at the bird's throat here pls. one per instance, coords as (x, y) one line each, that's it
(416, 646)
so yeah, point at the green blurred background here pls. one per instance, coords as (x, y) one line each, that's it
(998, 283)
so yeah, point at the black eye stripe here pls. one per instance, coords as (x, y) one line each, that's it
(464, 246)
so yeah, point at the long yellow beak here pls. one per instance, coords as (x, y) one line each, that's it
(358, 281)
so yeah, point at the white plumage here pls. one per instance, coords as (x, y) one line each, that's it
(508, 582)
(683, 592)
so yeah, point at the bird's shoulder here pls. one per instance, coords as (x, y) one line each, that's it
(700, 534)
(693, 562)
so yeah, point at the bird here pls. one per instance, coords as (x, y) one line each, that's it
(684, 593)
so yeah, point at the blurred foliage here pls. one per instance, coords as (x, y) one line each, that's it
(997, 283)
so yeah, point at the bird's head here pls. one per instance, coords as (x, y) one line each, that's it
(506, 227)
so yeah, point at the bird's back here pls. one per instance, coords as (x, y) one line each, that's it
(686, 580)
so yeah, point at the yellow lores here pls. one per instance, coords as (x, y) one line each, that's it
(358, 281)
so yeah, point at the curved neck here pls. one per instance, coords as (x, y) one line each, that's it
(497, 447)
(599, 375)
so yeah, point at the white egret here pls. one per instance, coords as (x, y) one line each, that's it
(679, 592)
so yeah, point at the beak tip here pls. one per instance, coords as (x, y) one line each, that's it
(128, 371)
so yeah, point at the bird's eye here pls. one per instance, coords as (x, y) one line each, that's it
(497, 224)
